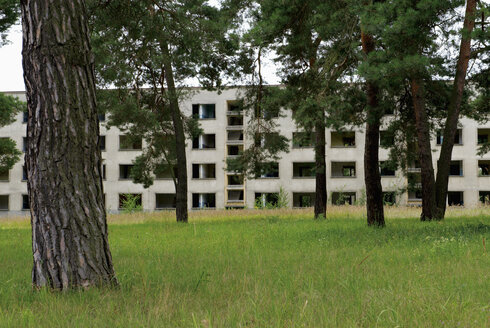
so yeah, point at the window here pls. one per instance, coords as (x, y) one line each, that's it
(301, 199)
(386, 139)
(130, 143)
(103, 172)
(304, 170)
(343, 139)
(235, 196)
(484, 168)
(234, 150)
(455, 198)
(389, 198)
(129, 198)
(483, 136)
(24, 144)
(102, 143)
(343, 169)
(4, 175)
(165, 201)
(458, 137)
(204, 111)
(235, 137)
(4, 202)
(235, 180)
(456, 168)
(235, 120)
(25, 202)
(25, 116)
(101, 117)
(268, 170)
(205, 200)
(24, 173)
(414, 195)
(125, 171)
(386, 170)
(270, 199)
(204, 171)
(267, 140)
(164, 172)
(303, 139)
(204, 141)
(484, 197)
(343, 198)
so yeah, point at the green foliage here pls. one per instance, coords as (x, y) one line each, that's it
(131, 203)
(135, 44)
(9, 154)
(266, 270)
(9, 14)
(421, 39)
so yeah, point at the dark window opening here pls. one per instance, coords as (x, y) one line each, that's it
(484, 168)
(130, 143)
(4, 202)
(204, 111)
(386, 170)
(484, 197)
(125, 171)
(204, 141)
(102, 143)
(343, 198)
(124, 198)
(304, 170)
(203, 201)
(455, 198)
(270, 199)
(303, 199)
(456, 168)
(165, 201)
(268, 170)
(25, 202)
(303, 139)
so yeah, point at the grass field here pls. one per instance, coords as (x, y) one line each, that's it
(268, 269)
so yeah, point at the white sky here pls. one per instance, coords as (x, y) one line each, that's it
(11, 77)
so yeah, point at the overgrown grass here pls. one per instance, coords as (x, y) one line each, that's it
(268, 269)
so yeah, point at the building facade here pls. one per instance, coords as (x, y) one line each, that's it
(211, 186)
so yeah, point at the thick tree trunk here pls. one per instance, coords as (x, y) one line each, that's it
(429, 209)
(181, 185)
(372, 176)
(451, 125)
(321, 173)
(69, 230)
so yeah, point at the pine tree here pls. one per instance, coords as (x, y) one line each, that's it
(148, 50)
(69, 230)
(313, 42)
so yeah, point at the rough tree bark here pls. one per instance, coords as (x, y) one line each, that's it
(69, 229)
(181, 184)
(451, 126)
(372, 176)
(321, 172)
(429, 209)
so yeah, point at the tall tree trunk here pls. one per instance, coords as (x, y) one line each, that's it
(372, 176)
(451, 126)
(321, 172)
(429, 209)
(69, 229)
(181, 185)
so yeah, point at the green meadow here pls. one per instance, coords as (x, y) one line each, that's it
(277, 268)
